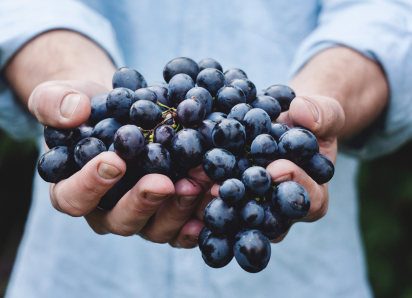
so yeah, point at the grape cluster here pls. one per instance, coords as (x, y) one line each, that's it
(200, 116)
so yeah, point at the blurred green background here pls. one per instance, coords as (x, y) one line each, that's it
(385, 187)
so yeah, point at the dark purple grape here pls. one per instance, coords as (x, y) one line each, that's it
(256, 180)
(118, 104)
(252, 250)
(164, 135)
(252, 214)
(219, 164)
(145, 114)
(283, 94)
(320, 168)
(61, 137)
(177, 172)
(228, 97)
(274, 223)
(291, 199)
(57, 164)
(180, 65)
(128, 77)
(264, 150)
(278, 129)
(256, 122)
(187, 149)
(220, 218)
(217, 251)
(129, 142)
(248, 88)
(216, 116)
(85, 131)
(298, 145)
(231, 191)
(203, 96)
(144, 94)
(229, 134)
(211, 79)
(242, 163)
(105, 130)
(269, 105)
(87, 149)
(179, 85)
(204, 233)
(239, 111)
(161, 94)
(98, 108)
(209, 63)
(190, 112)
(160, 84)
(155, 159)
(233, 74)
(205, 129)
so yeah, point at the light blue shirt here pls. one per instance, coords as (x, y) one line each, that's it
(61, 256)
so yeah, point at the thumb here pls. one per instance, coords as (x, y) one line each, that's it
(63, 104)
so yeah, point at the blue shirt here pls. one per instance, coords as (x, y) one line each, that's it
(61, 256)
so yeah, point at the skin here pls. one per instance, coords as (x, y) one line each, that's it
(60, 63)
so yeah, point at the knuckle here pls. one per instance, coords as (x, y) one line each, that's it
(92, 187)
(121, 230)
(69, 207)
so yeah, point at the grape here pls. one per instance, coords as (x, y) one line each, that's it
(191, 112)
(298, 145)
(219, 164)
(209, 63)
(229, 134)
(85, 131)
(179, 85)
(57, 164)
(87, 149)
(242, 163)
(61, 137)
(228, 97)
(239, 111)
(145, 114)
(98, 108)
(216, 116)
(248, 88)
(269, 105)
(291, 199)
(161, 93)
(211, 79)
(320, 168)
(180, 65)
(203, 96)
(144, 94)
(231, 191)
(187, 149)
(252, 250)
(274, 223)
(264, 150)
(204, 233)
(256, 122)
(256, 180)
(252, 214)
(118, 104)
(177, 172)
(278, 129)
(164, 135)
(205, 129)
(283, 94)
(105, 130)
(217, 251)
(233, 74)
(220, 218)
(128, 142)
(128, 77)
(155, 159)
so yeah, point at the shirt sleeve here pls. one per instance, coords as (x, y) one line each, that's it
(382, 31)
(21, 21)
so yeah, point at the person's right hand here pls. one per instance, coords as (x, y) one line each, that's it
(66, 104)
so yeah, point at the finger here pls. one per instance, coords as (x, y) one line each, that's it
(323, 116)
(135, 208)
(284, 170)
(79, 194)
(200, 177)
(63, 104)
(166, 223)
(215, 190)
(188, 235)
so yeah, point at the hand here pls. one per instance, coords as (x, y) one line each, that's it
(154, 208)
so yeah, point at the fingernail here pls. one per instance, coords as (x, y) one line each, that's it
(187, 201)
(154, 197)
(69, 105)
(107, 171)
(287, 177)
(312, 109)
(192, 238)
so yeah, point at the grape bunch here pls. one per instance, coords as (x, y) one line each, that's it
(200, 116)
